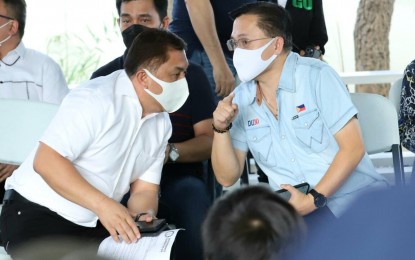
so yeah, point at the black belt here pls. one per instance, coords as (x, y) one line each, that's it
(12, 195)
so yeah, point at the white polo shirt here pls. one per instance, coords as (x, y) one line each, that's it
(100, 130)
(31, 75)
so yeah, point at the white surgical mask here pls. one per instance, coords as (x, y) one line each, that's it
(173, 94)
(7, 38)
(249, 63)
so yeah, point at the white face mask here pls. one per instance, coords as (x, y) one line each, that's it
(7, 38)
(173, 94)
(249, 63)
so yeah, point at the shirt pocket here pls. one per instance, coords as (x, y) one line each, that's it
(310, 131)
(260, 145)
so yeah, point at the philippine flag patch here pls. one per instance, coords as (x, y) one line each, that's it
(300, 108)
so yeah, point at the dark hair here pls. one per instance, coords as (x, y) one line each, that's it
(160, 5)
(150, 50)
(17, 10)
(252, 223)
(273, 20)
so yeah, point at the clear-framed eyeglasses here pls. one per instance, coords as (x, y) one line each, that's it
(241, 43)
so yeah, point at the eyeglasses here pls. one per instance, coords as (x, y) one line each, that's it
(241, 43)
(6, 17)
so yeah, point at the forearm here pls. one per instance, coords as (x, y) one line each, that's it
(351, 152)
(203, 22)
(143, 202)
(63, 178)
(342, 167)
(196, 149)
(226, 164)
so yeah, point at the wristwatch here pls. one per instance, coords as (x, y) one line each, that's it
(174, 153)
(319, 199)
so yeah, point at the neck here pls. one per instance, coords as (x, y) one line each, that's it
(270, 78)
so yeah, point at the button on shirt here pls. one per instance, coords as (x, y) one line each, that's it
(299, 147)
(31, 75)
(100, 129)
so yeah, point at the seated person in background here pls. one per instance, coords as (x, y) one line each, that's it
(407, 112)
(407, 108)
(102, 142)
(308, 25)
(24, 73)
(252, 223)
(296, 117)
(185, 198)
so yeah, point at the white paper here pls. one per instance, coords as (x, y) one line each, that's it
(146, 248)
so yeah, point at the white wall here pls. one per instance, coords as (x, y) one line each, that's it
(50, 17)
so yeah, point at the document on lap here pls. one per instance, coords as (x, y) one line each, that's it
(157, 247)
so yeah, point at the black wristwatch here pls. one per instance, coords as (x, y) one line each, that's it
(319, 199)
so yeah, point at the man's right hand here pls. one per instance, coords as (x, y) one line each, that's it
(118, 221)
(224, 80)
(225, 112)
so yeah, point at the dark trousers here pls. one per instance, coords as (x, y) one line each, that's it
(318, 219)
(184, 202)
(23, 221)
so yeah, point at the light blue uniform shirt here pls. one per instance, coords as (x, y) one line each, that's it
(313, 105)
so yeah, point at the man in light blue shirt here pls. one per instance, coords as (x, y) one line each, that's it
(294, 114)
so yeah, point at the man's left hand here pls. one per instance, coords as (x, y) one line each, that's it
(303, 203)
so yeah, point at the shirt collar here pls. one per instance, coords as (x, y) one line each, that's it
(13, 55)
(125, 86)
(287, 79)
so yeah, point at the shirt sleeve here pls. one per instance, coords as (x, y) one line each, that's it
(333, 100)
(53, 82)
(73, 128)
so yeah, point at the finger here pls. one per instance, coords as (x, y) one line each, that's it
(134, 228)
(288, 187)
(228, 99)
(131, 231)
(124, 231)
(113, 234)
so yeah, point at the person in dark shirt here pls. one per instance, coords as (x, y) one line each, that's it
(206, 26)
(185, 198)
(308, 25)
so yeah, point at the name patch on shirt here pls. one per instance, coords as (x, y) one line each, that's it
(253, 122)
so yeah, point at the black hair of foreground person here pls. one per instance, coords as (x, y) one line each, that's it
(252, 223)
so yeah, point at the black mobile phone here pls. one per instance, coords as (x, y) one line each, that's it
(151, 227)
(303, 187)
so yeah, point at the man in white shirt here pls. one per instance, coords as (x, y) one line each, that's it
(109, 136)
(24, 73)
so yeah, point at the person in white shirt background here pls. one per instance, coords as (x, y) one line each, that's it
(24, 73)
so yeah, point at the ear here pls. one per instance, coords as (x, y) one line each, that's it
(278, 45)
(142, 78)
(165, 22)
(119, 23)
(14, 29)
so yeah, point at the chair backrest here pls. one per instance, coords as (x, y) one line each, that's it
(395, 94)
(378, 120)
(22, 123)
